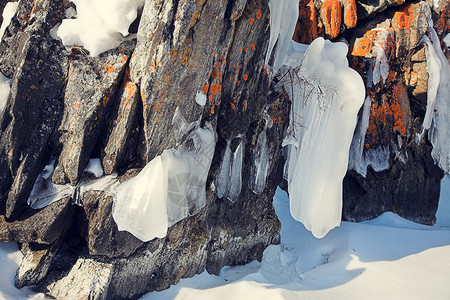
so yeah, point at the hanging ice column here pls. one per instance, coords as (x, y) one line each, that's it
(437, 116)
(326, 95)
(170, 187)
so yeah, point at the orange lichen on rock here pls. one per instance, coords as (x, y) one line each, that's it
(404, 18)
(110, 68)
(252, 46)
(245, 76)
(331, 17)
(393, 113)
(306, 29)
(216, 88)
(205, 88)
(350, 13)
(259, 14)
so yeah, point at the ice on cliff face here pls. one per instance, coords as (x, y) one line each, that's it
(260, 166)
(169, 188)
(437, 116)
(5, 86)
(326, 96)
(229, 180)
(9, 11)
(98, 25)
(283, 18)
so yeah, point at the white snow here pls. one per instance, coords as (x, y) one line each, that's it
(169, 188)
(437, 116)
(99, 25)
(326, 96)
(94, 167)
(447, 40)
(386, 258)
(8, 13)
(5, 86)
(283, 18)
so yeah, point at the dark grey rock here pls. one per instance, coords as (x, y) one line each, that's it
(43, 226)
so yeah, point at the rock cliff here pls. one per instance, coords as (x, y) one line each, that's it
(67, 109)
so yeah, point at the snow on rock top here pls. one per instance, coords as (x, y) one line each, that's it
(326, 96)
(99, 25)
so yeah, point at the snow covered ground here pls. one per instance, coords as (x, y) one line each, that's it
(385, 258)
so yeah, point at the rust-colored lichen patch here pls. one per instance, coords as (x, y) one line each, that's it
(252, 46)
(404, 18)
(245, 76)
(110, 68)
(252, 20)
(391, 114)
(259, 14)
(306, 29)
(331, 17)
(350, 13)
(205, 88)
(216, 88)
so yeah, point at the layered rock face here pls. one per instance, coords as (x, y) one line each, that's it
(67, 106)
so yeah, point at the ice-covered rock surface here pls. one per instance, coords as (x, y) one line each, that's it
(437, 116)
(261, 160)
(326, 96)
(98, 25)
(169, 188)
(5, 86)
(283, 14)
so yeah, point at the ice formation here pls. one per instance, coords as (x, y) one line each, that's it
(359, 159)
(94, 167)
(169, 188)
(355, 160)
(5, 85)
(381, 67)
(447, 40)
(437, 116)
(326, 96)
(8, 13)
(260, 160)
(282, 12)
(229, 180)
(45, 192)
(99, 25)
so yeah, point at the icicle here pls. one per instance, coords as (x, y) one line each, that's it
(381, 68)
(355, 161)
(261, 160)
(235, 180)
(437, 116)
(326, 96)
(282, 12)
(224, 173)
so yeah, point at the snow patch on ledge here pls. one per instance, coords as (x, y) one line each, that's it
(326, 96)
(99, 25)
